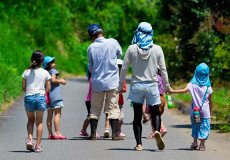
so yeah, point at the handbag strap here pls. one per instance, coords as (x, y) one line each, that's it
(203, 99)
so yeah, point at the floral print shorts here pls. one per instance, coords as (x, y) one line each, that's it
(201, 131)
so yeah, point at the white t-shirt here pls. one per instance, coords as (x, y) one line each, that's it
(36, 80)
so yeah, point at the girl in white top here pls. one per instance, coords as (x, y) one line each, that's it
(35, 84)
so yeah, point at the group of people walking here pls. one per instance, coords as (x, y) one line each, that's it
(106, 86)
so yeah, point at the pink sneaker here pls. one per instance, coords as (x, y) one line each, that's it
(163, 132)
(120, 134)
(30, 145)
(84, 133)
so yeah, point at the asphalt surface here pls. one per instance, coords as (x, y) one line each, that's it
(13, 135)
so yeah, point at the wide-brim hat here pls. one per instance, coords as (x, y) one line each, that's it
(201, 76)
(47, 59)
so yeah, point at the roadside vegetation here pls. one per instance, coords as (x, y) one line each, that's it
(190, 32)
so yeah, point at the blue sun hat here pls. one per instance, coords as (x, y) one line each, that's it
(47, 59)
(201, 76)
(143, 36)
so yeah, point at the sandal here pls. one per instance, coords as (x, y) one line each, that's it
(30, 145)
(50, 136)
(202, 148)
(146, 118)
(138, 149)
(150, 136)
(194, 145)
(159, 140)
(59, 136)
(84, 133)
(163, 132)
(97, 135)
(38, 149)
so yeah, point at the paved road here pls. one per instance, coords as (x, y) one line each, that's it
(13, 135)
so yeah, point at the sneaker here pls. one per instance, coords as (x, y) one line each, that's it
(194, 145)
(84, 133)
(50, 136)
(97, 135)
(202, 148)
(159, 140)
(150, 136)
(38, 149)
(106, 133)
(163, 132)
(30, 145)
(120, 134)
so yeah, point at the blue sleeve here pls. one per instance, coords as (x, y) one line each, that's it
(89, 54)
(53, 71)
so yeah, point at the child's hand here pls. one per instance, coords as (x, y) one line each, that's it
(170, 91)
(63, 81)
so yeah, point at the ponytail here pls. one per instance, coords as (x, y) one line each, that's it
(36, 59)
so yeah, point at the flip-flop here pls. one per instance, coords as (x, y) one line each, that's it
(138, 149)
(159, 140)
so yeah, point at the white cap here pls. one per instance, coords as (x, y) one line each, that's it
(119, 62)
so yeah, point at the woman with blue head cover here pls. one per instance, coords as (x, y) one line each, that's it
(145, 58)
(143, 36)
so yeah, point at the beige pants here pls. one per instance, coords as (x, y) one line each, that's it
(97, 104)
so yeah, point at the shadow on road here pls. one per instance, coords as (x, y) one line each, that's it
(128, 149)
(21, 151)
(183, 149)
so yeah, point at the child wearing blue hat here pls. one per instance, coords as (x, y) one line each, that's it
(201, 91)
(56, 101)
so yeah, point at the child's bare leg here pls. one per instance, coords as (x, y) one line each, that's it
(30, 124)
(143, 110)
(162, 125)
(85, 124)
(202, 141)
(49, 121)
(107, 124)
(195, 140)
(39, 124)
(57, 119)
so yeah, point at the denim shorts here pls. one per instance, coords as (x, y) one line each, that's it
(55, 104)
(200, 131)
(36, 102)
(145, 90)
